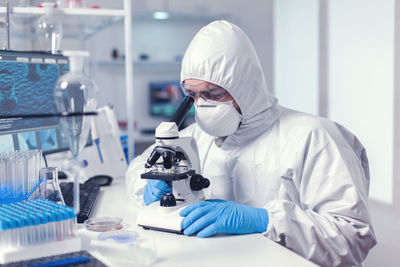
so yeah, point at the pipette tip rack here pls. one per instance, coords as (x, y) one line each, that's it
(36, 228)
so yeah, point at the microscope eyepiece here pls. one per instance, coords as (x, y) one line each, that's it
(182, 111)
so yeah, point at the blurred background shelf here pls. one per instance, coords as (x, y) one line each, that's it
(142, 65)
(66, 11)
(171, 17)
(88, 21)
(84, 22)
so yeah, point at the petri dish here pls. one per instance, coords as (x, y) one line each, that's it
(103, 224)
(121, 236)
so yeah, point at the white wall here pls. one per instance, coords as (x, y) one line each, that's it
(357, 63)
(296, 54)
(361, 78)
(359, 72)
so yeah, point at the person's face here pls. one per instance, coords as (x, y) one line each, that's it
(208, 91)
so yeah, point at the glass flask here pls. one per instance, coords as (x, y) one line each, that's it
(49, 29)
(75, 94)
(52, 189)
(3, 33)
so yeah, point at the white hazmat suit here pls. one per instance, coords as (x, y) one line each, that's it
(309, 173)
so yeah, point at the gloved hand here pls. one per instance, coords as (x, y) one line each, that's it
(154, 190)
(221, 216)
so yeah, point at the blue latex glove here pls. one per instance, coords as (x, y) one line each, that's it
(154, 190)
(221, 216)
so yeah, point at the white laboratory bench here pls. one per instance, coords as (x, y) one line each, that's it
(179, 250)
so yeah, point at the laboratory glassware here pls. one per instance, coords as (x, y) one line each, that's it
(3, 33)
(49, 29)
(19, 174)
(49, 175)
(75, 93)
(103, 224)
(72, 3)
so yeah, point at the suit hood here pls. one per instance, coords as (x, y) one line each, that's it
(222, 54)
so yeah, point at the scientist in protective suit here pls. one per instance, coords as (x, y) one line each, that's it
(298, 179)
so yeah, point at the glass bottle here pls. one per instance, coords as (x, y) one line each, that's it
(49, 29)
(75, 94)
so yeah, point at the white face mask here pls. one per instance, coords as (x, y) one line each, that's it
(217, 118)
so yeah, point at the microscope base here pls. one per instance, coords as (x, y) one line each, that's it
(166, 219)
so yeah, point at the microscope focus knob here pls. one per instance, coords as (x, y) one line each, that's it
(168, 200)
(198, 182)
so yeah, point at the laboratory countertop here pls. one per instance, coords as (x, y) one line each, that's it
(179, 250)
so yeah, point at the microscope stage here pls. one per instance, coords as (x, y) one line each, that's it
(159, 218)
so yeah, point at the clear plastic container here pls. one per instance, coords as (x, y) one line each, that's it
(126, 247)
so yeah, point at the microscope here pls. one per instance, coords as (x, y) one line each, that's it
(174, 160)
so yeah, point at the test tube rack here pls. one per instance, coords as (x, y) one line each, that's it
(36, 228)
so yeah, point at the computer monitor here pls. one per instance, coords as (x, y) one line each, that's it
(165, 98)
(27, 81)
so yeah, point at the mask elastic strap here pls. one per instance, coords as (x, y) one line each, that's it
(212, 103)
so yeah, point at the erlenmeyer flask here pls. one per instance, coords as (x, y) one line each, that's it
(52, 189)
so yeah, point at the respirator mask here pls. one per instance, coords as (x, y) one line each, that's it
(216, 118)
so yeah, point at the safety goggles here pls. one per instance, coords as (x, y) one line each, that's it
(216, 93)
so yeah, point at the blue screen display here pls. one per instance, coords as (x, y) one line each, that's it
(27, 88)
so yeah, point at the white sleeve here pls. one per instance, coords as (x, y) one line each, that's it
(322, 213)
(134, 183)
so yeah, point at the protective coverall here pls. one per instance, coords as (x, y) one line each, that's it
(309, 173)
